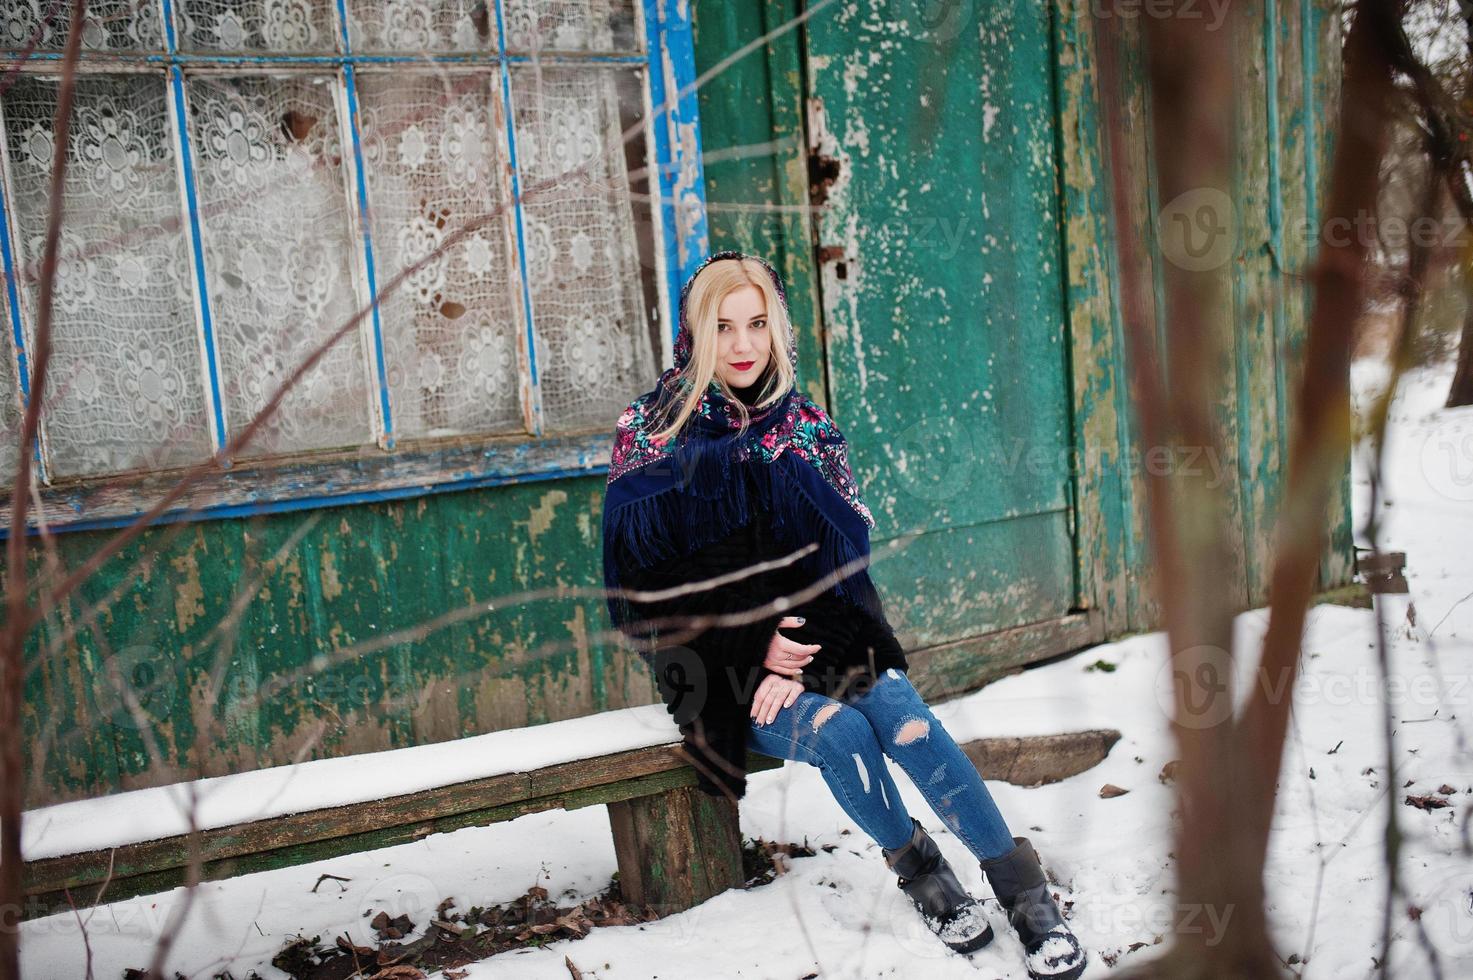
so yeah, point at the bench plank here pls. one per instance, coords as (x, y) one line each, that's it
(675, 845)
(154, 866)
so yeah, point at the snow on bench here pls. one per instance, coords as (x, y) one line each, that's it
(138, 842)
(139, 815)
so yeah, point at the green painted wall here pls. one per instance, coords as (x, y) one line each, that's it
(299, 587)
(295, 588)
(902, 104)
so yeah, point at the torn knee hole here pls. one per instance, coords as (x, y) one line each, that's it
(911, 731)
(824, 714)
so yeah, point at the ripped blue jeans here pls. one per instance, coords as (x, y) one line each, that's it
(848, 741)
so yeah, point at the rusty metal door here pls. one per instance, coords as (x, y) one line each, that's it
(931, 132)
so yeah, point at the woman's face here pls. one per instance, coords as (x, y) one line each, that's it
(743, 341)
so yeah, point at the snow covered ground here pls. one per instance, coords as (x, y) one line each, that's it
(839, 914)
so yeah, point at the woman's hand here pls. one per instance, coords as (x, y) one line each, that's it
(789, 657)
(773, 693)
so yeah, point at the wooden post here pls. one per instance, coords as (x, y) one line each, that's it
(676, 849)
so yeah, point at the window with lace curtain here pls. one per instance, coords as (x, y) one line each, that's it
(243, 177)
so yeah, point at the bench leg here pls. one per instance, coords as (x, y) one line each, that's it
(676, 849)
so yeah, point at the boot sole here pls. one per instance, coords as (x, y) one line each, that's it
(972, 945)
(982, 939)
(1072, 973)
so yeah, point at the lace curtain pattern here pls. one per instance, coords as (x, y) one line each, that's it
(452, 332)
(125, 389)
(570, 25)
(107, 25)
(256, 25)
(411, 25)
(290, 228)
(582, 256)
(281, 255)
(10, 418)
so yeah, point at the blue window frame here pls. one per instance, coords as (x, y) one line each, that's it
(260, 118)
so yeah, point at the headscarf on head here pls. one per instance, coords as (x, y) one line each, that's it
(671, 498)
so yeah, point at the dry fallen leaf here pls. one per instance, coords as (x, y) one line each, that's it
(401, 972)
(345, 943)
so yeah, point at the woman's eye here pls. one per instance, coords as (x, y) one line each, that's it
(759, 324)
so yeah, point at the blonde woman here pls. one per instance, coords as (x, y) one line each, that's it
(723, 466)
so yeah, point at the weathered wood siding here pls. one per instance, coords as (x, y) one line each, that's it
(1285, 56)
(996, 150)
(915, 118)
(301, 586)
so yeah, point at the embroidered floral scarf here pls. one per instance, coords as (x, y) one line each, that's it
(671, 498)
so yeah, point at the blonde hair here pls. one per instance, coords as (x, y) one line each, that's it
(712, 285)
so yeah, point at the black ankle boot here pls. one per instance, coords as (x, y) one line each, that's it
(954, 916)
(1017, 880)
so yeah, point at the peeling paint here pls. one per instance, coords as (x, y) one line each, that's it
(331, 586)
(541, 516)
(189, 594)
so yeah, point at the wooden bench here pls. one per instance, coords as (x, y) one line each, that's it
(675, 845)
(655, 811)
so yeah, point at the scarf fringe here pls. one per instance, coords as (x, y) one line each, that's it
(798, 510)
(717, 496)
